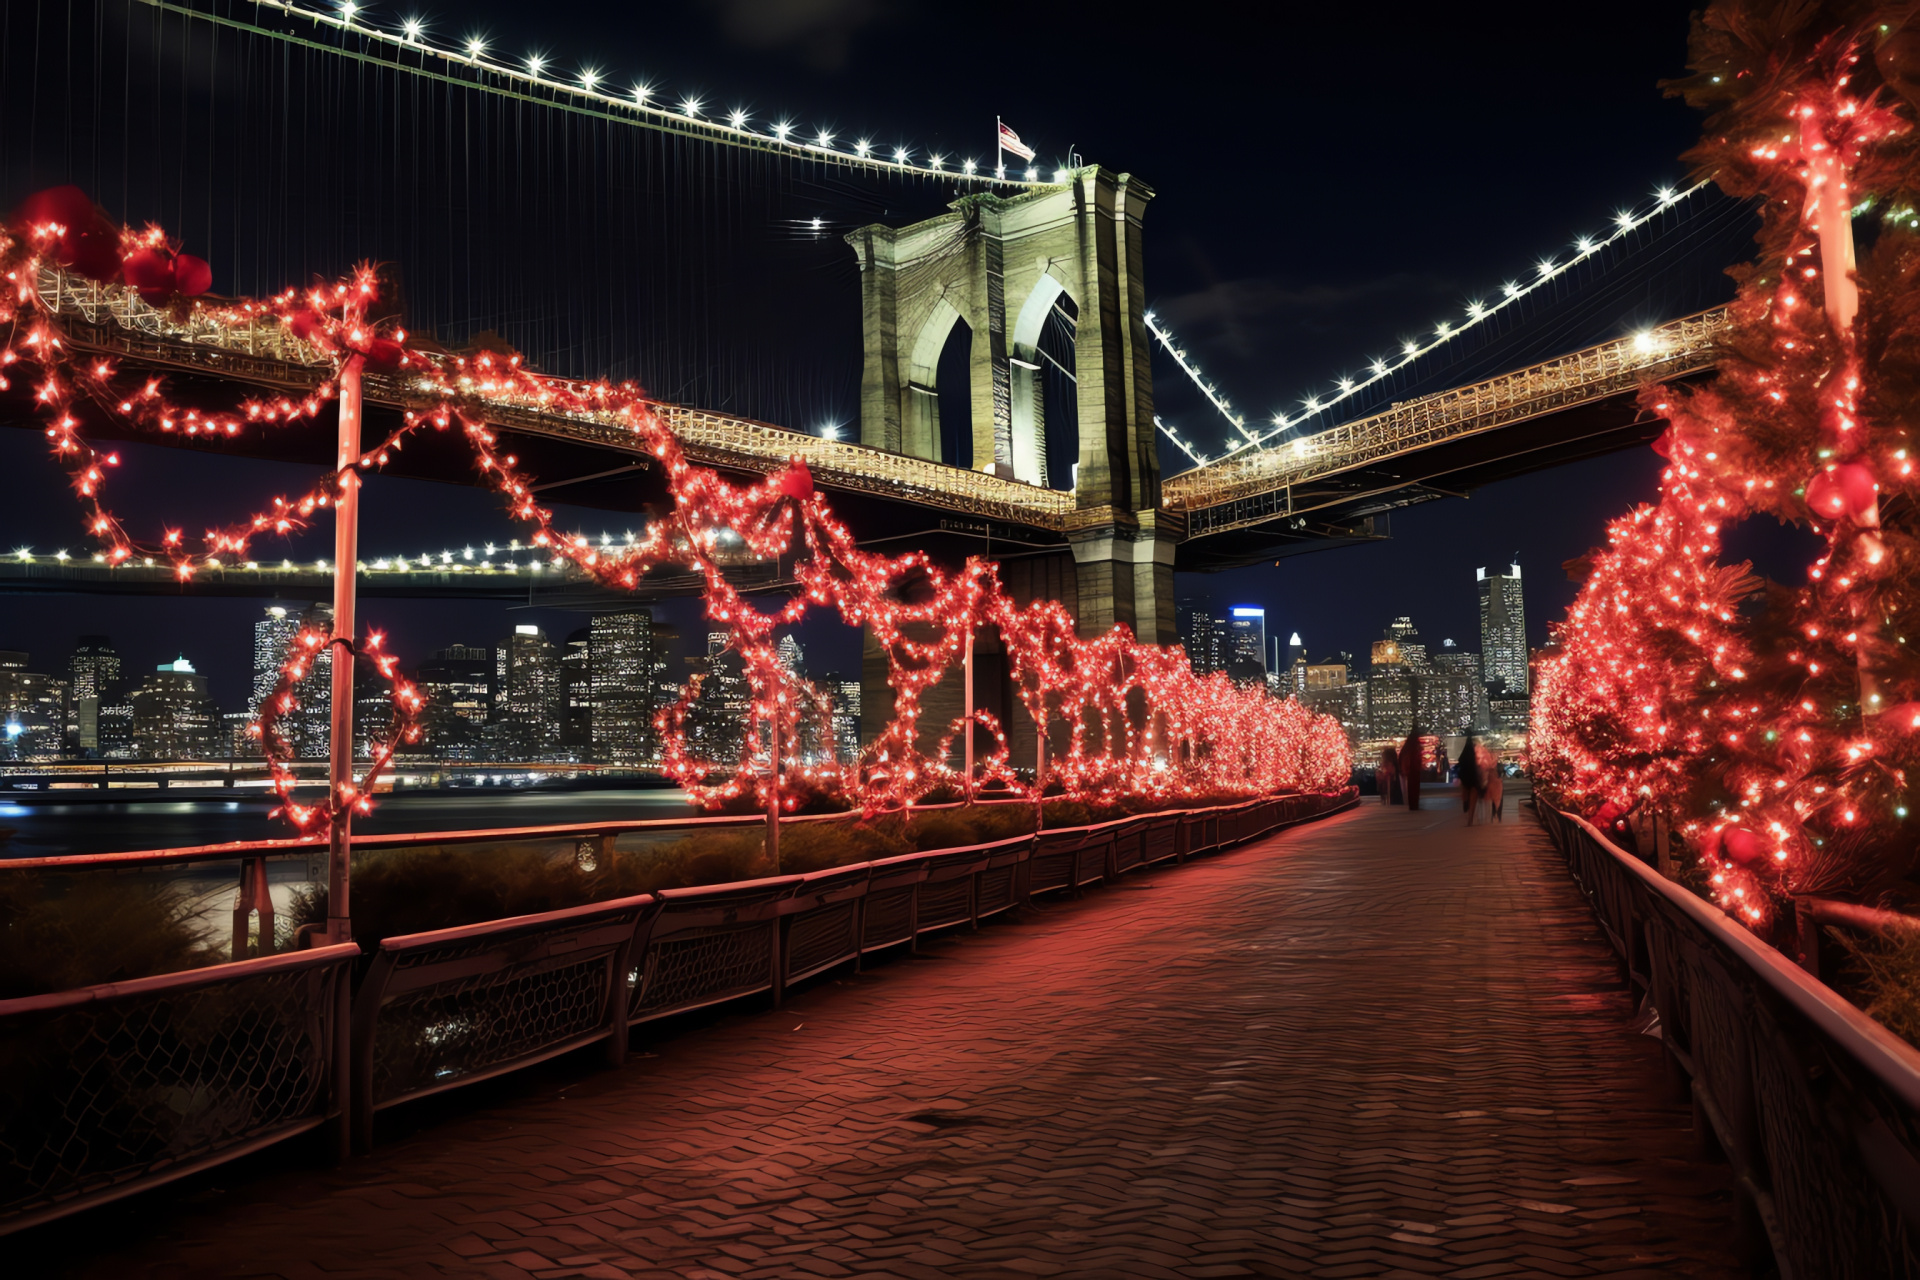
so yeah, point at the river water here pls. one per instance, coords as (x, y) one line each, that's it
(42, 829)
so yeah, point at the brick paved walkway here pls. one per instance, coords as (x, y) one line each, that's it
(1384, 1045)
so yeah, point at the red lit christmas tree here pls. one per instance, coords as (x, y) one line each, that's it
(1782, 727)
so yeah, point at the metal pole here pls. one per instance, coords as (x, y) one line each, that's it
(966, 723)
(346, 563)
(1040, 765)
(773, 791)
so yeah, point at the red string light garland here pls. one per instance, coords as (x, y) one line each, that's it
(1137, 721)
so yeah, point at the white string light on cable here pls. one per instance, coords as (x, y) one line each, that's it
(643, 101)
(1237, 421)
(1478, 312)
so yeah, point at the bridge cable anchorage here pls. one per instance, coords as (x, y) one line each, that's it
(1624, 223)
(644, 108)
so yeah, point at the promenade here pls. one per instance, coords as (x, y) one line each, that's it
(1380, 1045)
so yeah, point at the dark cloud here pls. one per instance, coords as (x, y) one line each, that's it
(818, 32)
(1245, 316)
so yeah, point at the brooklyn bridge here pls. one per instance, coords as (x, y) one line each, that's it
(1059, 935)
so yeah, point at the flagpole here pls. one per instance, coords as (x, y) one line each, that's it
(999, 150)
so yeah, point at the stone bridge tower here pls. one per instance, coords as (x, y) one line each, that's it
(1001, 265)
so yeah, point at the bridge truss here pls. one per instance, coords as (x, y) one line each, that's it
(1336, 473)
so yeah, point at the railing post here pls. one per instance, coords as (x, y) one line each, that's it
(346, 564)
(966, 723)
(773, 792)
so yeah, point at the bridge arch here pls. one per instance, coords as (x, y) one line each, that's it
(928, 401)
(1027, 382)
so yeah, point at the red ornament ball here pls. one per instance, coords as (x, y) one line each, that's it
(1741, 845)
(1846, 490)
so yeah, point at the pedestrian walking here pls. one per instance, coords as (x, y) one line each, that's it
(1387, 777)
(1410, 768)
(1472, 785)
(1495, 784)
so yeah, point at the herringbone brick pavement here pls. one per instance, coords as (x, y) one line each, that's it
(1383, 1045)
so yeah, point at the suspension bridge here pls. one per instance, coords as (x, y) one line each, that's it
(1461, 1088)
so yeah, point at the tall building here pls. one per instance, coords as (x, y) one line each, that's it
(457, 682)
(1407, 640)
(273, 638)
(528, 703)
(173, 718)
(1247, 643)
(459, 678)
(667, 682)
(623, 687)
(1453, 698)
(93, 678)
(1346, 702)
(33, 711)
(1204, 634)
(1393, 684)
(1503, 633)
(576, 694)
(791, 656)
(309, 727)
(717, 721)
(845, 697)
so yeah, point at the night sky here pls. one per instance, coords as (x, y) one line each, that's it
(1330, 180)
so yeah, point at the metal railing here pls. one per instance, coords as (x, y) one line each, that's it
(1209, 494)
(115, 1088)
(455, 1006)
(1815, 1105)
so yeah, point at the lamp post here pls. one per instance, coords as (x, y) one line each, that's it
(346, 561)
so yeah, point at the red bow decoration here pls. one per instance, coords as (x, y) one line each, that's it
(84, 238)
(157, 274)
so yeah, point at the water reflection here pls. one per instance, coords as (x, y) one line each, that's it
(43, 830)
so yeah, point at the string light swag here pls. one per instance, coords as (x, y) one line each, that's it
(413, 48)
(1778, 725)
(1478, 312)
(1124, 718)
(403, 727)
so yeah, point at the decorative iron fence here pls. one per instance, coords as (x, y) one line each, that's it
(116, 1088)
(454, 1006)
(1816, 1106)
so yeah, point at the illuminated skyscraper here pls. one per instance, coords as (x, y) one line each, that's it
(457, 682)
(1454, 697)
(623, 692)
(1247, 643)
(528, 701)
(93, 677)
(845, 695)
(33, 711)
(272, 642)
(173, 718)
(1503, 633)
(576, 694)
(1204, 635)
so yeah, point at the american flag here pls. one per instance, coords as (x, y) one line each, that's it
(1010, 141)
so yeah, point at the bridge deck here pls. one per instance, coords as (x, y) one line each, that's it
(1386, 1045)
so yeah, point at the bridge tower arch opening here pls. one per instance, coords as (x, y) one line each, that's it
(1025, 272)
(1043, 378)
